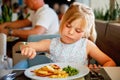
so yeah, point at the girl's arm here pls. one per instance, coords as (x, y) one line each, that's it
(98, 55)
(30, 48)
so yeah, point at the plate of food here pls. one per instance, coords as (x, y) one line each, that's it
(56, 71)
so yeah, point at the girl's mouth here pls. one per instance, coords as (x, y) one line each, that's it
(69, 38)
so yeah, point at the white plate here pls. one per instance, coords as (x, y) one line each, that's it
(83, 70)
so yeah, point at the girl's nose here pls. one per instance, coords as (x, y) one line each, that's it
(71, 31)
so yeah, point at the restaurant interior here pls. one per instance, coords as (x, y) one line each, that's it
(107, 25)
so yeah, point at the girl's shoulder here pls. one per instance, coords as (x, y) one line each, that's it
(55, 40)
(90, 45)
(83, 41)
(89, 42)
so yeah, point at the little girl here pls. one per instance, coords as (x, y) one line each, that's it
(73, 45)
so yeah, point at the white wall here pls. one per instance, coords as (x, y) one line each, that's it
(87, 2)
(96, 4)
(118, 2)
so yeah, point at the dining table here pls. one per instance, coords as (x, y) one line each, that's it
(109, 73)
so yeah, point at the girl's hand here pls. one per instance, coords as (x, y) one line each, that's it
(28, 51)
(94, 66)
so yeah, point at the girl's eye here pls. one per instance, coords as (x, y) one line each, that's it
(78, 31)
(68, 26)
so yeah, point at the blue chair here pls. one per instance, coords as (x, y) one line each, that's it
(34, 38)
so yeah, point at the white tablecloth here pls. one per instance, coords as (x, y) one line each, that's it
(113, 72)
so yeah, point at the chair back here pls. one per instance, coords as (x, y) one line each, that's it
(34, 38)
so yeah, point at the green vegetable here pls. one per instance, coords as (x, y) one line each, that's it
(70, 70)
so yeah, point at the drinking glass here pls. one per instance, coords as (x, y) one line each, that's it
(4, 62)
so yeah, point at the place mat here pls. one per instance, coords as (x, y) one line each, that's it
(87, 77)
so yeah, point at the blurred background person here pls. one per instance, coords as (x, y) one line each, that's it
(43, 21)
(63, 9)
(17, 12)
(56, 7)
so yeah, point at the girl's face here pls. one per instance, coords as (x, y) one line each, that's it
(73, 31)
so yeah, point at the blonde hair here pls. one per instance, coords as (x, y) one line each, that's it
(76, 11)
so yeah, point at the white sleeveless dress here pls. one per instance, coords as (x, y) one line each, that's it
(72, 53)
